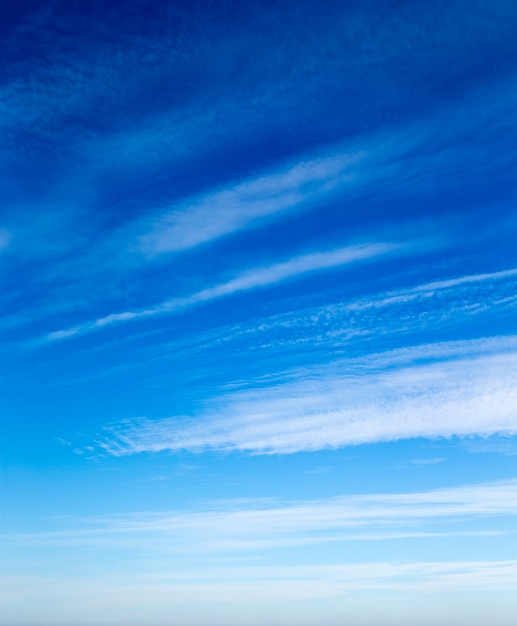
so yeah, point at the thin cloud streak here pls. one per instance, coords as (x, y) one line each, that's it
(251, 279)
(228, 210)
(401, 296)
(255, 524)
(389, 157)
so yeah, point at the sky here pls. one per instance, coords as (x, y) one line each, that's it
(258, 328)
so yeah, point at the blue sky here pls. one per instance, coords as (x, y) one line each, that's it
(259, 341)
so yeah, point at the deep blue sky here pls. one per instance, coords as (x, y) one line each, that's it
(258, 276)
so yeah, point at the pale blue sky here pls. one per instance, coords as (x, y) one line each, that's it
(259, 341)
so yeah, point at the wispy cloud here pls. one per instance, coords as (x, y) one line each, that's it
(310, 335)
(432, 461)
(401, 296)
(223, 212)
(266, 592)
(344, 404)
(257, 524)
(388, 158)
(469, 278)
(223, 549)
(251, 279)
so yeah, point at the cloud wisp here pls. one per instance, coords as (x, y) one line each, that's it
(343, 404)
(428, 289)
(221, 549)
(258, 524)
(222, 212)
(251, 279)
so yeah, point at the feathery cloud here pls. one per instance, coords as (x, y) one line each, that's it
(257, 524)
(344, 404)
(222, 212)
(251, 279)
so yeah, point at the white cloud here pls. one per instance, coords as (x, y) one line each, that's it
(272, 274)
(258, 524)
(346, 403)
(462, 280)
(402, 296)
(251, 279)
(208, 217)
(220, 552)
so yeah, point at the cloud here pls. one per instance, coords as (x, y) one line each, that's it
(223, 212)
(412, 394)
(407, 159)
(258, 524)
(219, 551)
(106, 255)
(432, 461)
(405, 310)
(416, 593)
(463, 280)
(403, 296)
(251, 279)
(312, 334)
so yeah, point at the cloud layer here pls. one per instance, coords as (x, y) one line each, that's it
(257, 524)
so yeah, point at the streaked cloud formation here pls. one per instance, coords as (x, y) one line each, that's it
(253, 527)
(256, 525)
(415, 394)
(259, 295)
